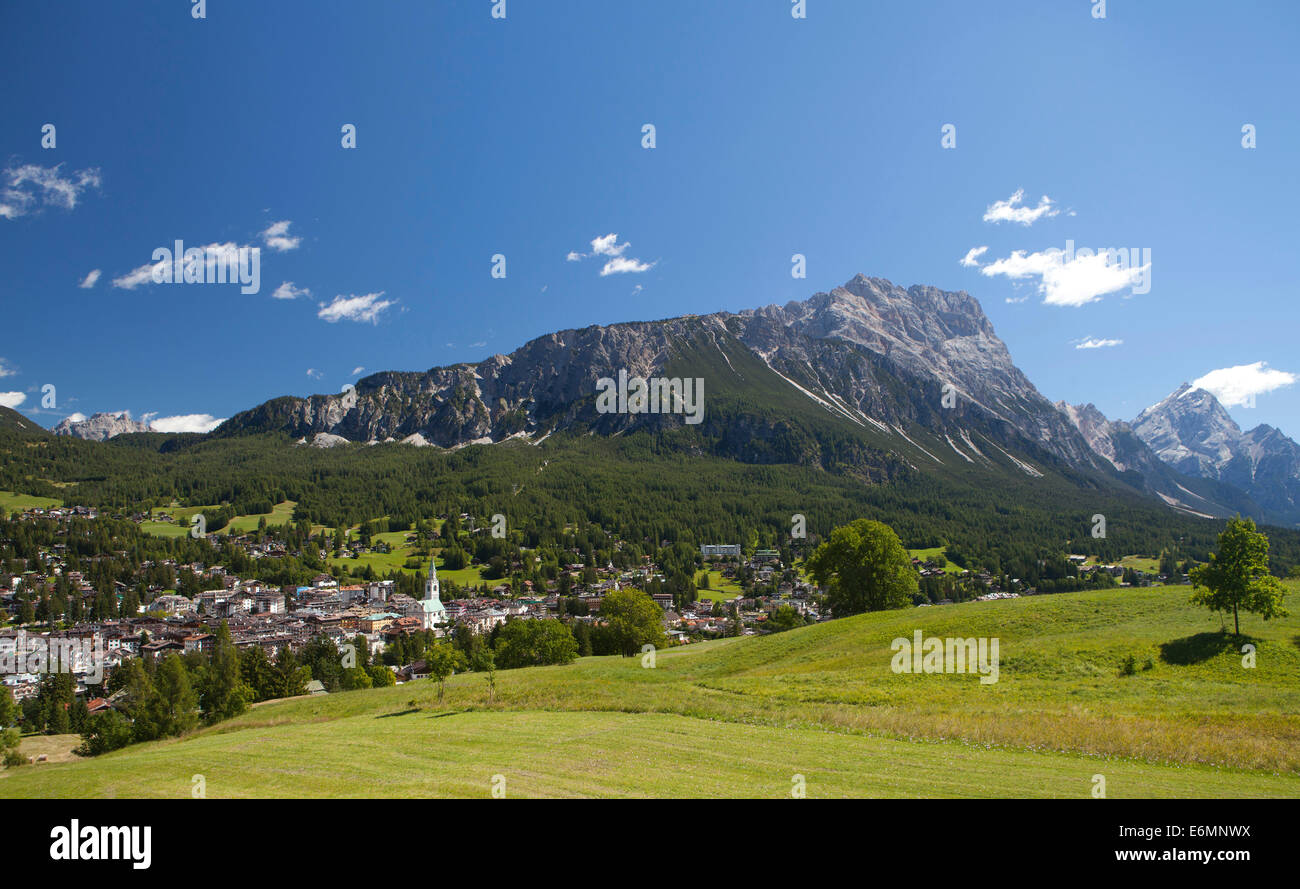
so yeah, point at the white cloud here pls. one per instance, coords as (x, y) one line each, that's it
(1094, 343)
(1010, 210)
(314, 373)
(276, 236)
(619, 265)
(367, 307)
(212, 255)
(11, 399)
(357, 370)
(139, 275)
(76, 417)
(972, 256)
(288, 291)
(477, 345)
(1239, 385)
(1076, 282)
(186, 423)
(90, 280)
(6, 370)
(608, 246)
(32, 186)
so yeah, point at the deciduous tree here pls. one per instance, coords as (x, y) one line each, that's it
(864, 567)
(1236, 578)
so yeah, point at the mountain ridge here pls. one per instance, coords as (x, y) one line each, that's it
(870, 378)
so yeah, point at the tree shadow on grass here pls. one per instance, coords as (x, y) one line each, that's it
(398, 713)
(1201, 647)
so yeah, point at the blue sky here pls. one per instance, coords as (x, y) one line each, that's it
(523, 137)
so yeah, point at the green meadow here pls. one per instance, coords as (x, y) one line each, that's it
(280, 514)
(936, 553)
(721, 589)
(744, 717)
(11, 502)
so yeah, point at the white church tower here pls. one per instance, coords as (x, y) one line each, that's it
(433, 611)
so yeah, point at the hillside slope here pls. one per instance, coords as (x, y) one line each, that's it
(742, 717)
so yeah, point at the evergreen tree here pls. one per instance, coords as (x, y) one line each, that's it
(224, 692)
(175, 702)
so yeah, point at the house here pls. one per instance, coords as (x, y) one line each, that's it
(269, 602)
(202, 642)
(375, 623)
(160, 649)
(400, 627)
(239, 603)
(411, 672)
(172, 604)
(715, 550)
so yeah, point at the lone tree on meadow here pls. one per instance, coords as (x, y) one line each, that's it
(1237, 578)
(443, 660)
(632, 621)
(864, 568)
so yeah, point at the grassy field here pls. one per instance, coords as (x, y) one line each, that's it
(429, 752)
(382, 563)
(472, 575)
(720, 589)
(178, 528)
(11, 502)
(1149, 564)
(937, 553)
(742, 717)
(280, 514)
(55, 748)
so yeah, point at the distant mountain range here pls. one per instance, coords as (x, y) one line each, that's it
(1192, 453)
(871, 376)
(1191, 433)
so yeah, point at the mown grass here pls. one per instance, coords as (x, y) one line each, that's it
(427, 751)
(742, 716)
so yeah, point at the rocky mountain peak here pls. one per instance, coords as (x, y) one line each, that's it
(1098, 431)
(100, 426)
(1190, 430)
